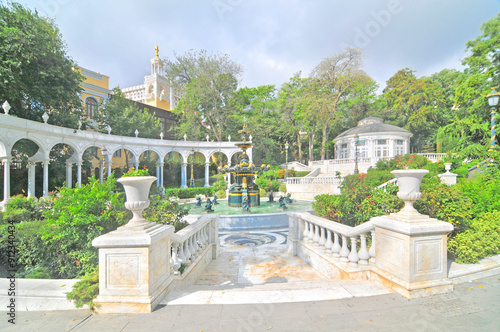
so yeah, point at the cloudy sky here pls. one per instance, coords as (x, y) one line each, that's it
(272, 39)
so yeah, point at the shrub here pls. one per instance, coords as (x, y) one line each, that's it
(262, 192)
(481, 240)
(164, 211)
(446, 203)
(85, 290)
(220, 183)
(483, 190)
(282, 188)
(79, 216)
(189, 192)
(22, 209)
(222, 194)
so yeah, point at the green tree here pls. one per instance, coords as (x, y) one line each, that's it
(124, 117)
(208, 82)
(36, 74)
(414, 104)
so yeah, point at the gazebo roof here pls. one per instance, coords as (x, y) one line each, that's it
(372, 125)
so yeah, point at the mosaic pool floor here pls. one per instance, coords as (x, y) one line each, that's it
(254, 267)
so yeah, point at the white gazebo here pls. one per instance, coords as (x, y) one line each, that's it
(375, 140)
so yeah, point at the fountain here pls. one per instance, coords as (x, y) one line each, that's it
(244, 189)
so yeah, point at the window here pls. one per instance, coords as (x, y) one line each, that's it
(399, 147)
(362, 149)
(91, 107)
(381, 148)
(344, 154)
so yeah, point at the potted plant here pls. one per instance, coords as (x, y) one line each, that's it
(137, 184)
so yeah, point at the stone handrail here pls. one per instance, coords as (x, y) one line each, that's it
(332, 238)
(189, 242)
(384, 185)
(314, 180)
(432, 156)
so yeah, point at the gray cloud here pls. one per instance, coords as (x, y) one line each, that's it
(271, 39)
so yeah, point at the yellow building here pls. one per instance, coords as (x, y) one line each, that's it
(95, 90)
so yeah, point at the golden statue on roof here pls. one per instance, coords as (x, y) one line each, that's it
(157, 49)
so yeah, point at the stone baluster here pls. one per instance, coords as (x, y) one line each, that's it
(353, 255)
(197, 242)
(187, 252)
(175, 264)
(201, 238)
(310, 236)
(322, 238)
(191, 245)
(329, 242)
(306, 231)
(363, 254)
(181, 257)
(204, 235)
(336, 245)
(316, 234)
(372, 248)
(344, 251)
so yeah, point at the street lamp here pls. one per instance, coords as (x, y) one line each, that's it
(286, 158)
(356, 140)
(191, 181)
(493, 98)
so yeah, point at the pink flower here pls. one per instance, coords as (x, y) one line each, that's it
(412, 156)
(362, 176)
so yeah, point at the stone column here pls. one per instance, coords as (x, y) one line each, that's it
(45, 178)
(392, 151)
(228, 179)
(109, 162)
(101, 171)
(207, 175)
(136, 164)
(158, 182)
(161, 174)
(6, 179)
(79, 173)
(69, 171)
(183, 175)
(31, 178)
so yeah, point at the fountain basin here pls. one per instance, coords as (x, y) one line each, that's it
(266, 216)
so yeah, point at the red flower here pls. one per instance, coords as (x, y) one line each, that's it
(76, 262)
(409, 160)
(362, 176)
(412, 156)
(397, 161)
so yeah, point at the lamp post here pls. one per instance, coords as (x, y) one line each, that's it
(191, 181)
(356, 140)
(286, 159)
(493, 102)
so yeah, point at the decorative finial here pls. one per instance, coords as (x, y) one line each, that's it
(6, 107)
(136, 132)
(208, 138)
(45, 117)
(229, 138)
(162, 135)
(80, 124)
(157, 49)
(109, 130)
(185, 136)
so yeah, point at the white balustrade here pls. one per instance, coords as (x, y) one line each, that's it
(338, 240)
(191, 242)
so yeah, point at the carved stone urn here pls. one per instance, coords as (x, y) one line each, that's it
(409, 181)
(137, 193)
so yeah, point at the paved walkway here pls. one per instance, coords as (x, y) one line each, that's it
(260, 288)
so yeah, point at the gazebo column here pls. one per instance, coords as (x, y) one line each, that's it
(79, 172)
(392, 151)
(161, 173)
(69, 171)
(183, 175)
(136, 163)
(207, 175)
(158, 177)
(6, 179)
(101, 171)
(31, 178)
(228, 179)
(109, 162)
(45, 177)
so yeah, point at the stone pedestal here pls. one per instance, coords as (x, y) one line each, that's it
(448, 177)
(134, 268)
(413, 255)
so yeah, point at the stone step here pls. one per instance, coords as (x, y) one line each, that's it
(298, 291)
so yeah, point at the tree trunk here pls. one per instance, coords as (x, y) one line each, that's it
(311, 146)
(300, 147)
(323, 141)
